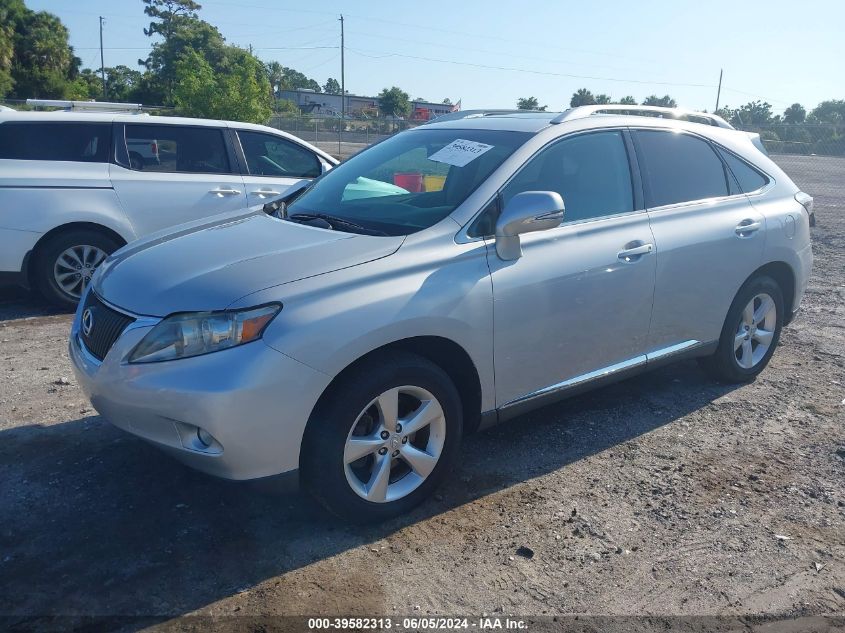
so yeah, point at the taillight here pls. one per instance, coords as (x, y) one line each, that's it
(806, 201)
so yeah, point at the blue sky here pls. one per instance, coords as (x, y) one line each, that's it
(490, 53)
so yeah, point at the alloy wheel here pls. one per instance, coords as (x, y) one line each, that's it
(755, 331)
(74, 268)
(394, 444)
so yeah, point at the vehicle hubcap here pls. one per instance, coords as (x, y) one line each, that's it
(394, 444)
(755, 331)
(75, 266)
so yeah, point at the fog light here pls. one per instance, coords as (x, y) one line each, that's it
(205, 438)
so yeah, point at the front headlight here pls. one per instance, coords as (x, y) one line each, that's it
(195, 333)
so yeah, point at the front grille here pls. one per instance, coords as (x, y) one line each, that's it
(104, 325)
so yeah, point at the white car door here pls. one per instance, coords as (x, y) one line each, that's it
(273, 164)
(185, 173)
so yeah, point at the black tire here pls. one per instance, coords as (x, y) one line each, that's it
(49, 253)
(321, 461)
(724, 364)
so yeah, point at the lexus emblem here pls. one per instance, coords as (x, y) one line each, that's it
(87, 322)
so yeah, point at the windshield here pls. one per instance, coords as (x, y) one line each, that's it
(407, 183)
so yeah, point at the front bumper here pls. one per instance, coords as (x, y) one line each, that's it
(254, 400)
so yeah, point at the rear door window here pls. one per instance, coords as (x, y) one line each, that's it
(270, 155)
(679, 168)
(177, 149)
(748, 178)
(76, 142)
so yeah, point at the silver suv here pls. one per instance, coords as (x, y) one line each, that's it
(433, 285)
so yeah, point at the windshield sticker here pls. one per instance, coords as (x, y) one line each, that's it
(460, 152)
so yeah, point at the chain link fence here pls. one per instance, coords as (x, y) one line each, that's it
(340, 137)
(812, 154)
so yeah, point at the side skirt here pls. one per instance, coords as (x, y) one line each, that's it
(592, 380)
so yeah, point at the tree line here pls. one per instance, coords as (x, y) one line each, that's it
(191, 68)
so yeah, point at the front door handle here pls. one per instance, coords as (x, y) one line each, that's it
(747, 227)
(223, 191)
(634, 253)
(265, 192)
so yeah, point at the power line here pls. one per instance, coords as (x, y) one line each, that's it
(479, 50)
(485, 36)
(527, 70)
(146, 48)
(756, 96)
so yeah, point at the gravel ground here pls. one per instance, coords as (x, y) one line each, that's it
(666, 494)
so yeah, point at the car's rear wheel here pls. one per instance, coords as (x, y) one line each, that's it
(751, 332)
(382, 439)
(65, 264)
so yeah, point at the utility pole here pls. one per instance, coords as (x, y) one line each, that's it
(102, 62)
(719, 91)
(342, 87)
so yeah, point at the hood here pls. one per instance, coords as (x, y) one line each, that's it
(208, 266)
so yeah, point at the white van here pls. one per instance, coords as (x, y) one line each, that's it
(76, 186)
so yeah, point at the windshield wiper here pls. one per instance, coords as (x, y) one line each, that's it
(335, 223)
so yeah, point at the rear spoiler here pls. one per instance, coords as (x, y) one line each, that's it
(758, 142)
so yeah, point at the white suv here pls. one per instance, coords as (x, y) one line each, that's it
(76, 186)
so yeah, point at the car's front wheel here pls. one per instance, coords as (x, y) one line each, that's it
(65, 264)
(751, 332)
(383, 438)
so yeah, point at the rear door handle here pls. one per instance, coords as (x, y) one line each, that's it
(631, 255)
(265, 192)
(747, 227)
(223, 191)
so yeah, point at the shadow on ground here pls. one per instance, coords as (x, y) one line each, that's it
(19, 303)
(94, 521)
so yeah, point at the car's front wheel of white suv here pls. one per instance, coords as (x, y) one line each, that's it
(65, 264)
(751, 332)
(383, 438)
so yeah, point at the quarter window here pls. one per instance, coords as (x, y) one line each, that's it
(78, 142)
(174, 148)
(749, 179)
(589, 171)
(268, 155)
(679, 168)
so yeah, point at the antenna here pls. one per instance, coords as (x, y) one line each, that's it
(102, 63)
(342, 87)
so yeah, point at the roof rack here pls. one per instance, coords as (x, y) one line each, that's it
(85, 106)
(582, 112)
(471, 114)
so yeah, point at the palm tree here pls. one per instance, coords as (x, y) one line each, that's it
(276, 75)
(582, 97)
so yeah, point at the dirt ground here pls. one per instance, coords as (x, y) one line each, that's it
(666, 494)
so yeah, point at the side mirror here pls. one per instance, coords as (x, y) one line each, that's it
(526, 212)
(277, 208)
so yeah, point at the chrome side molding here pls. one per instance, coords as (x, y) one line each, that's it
(578, 380)
(606, 372)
